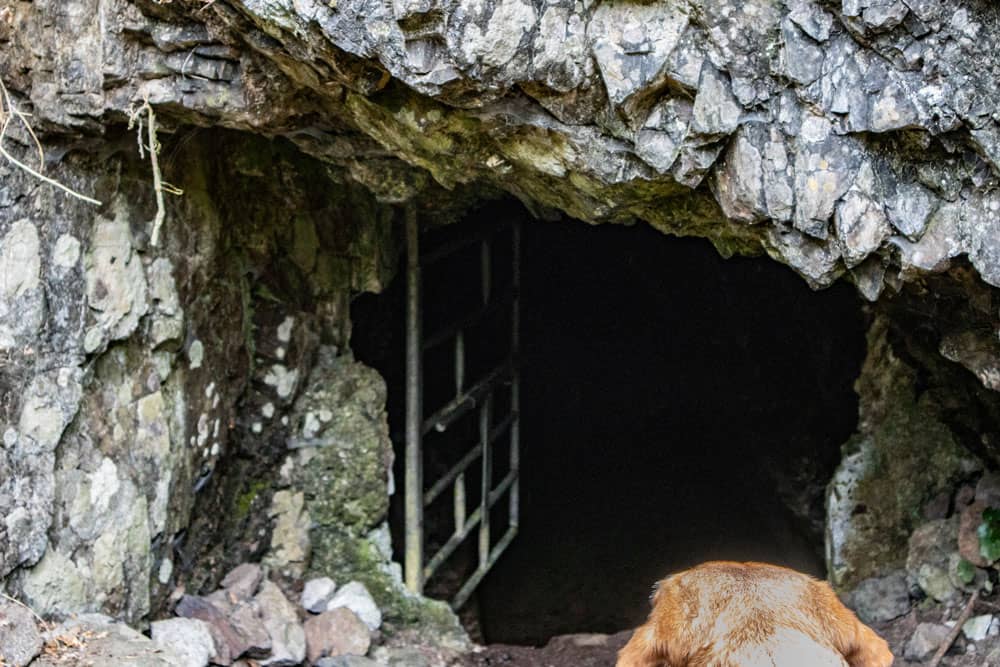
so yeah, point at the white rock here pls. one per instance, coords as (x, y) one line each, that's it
(188, 638)
(166, 571)
(285, 329)
(977, 628)
(66, 252)
(196, 354)
(356, 597)
(317, 594)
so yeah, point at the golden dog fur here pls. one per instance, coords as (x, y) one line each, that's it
(725, 614)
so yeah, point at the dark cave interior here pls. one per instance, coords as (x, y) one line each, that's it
(676, 407)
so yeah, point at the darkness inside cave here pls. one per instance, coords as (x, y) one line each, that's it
(676, 407)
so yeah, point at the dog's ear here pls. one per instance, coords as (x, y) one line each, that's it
(655, 594)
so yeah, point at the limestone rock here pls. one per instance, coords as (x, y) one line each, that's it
(925, 641)
(188, 638)
(336, 633)
(317, 593)
(356, 597)
(927, 562)
(290, 539)
(902, 455)
(20, 640)
(881, 599)
(248, 619)
(288, 639)
(235, 631)
(242, 582)
(977, 628)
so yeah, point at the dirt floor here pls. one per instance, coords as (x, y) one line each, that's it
(588, 650)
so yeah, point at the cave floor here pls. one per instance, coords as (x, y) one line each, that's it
(597, 650)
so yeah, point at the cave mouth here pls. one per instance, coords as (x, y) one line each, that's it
(676, 407)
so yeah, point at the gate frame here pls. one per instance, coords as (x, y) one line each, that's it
(478, 396)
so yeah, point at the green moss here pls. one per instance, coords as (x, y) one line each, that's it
(244, 502)
(344, 557)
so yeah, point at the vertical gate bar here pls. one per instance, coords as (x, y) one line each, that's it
(485, 414)
(414, 409)
(459, 362)
(460, 503)
(487, 270)
(515, 386)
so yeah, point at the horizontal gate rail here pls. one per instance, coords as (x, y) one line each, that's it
(480, 397)
(463, 529)
(467, 460)
(463, 594)
(456, 408)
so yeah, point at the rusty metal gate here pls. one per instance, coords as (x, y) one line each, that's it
(476, 395)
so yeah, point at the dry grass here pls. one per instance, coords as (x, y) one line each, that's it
(152, 146)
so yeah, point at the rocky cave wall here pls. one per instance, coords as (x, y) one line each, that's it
(149, 395)
(144, 390)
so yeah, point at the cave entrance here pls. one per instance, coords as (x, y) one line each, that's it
(675, 407)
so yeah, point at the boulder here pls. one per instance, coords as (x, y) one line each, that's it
(928, 559)
(317, 593)
(356, 597)
(20, 640)
(188, 638)
(243, 580)
(336, 633)
(280, 618)
(880, 599)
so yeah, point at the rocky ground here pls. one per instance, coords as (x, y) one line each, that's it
(230, 627)
(338, 637)
(259, 617)
(913, 639)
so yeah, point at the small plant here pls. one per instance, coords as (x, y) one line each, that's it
(966, 572)
(989, 534)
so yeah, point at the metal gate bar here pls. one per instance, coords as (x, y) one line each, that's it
(477, 397)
